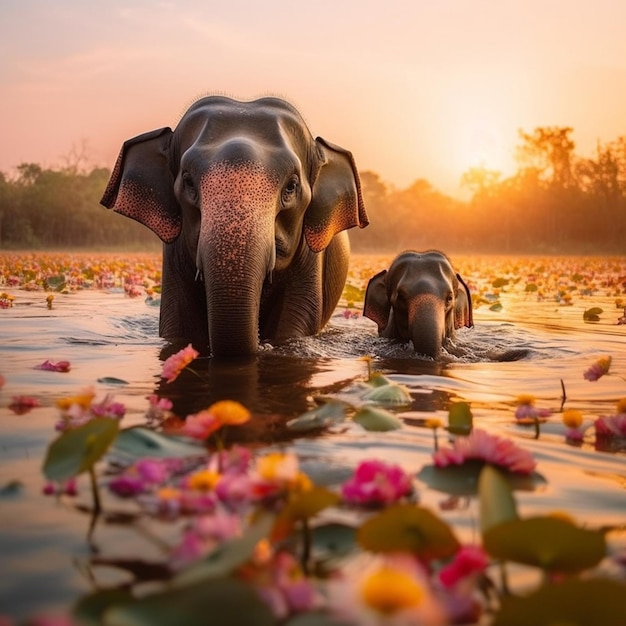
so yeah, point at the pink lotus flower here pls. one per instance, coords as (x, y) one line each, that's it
(469, 560)
(598, 369)
(611, 425)
(174, 365)
(23, 404)
(201, 425)
(49, 366)
(376, 483)
(482, 446)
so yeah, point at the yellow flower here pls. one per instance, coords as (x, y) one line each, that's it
(525, 399)
(572, 418)
(388, 591)
(83, 400)
(229, 412)
(280, 468)
(204, 480)
(434, 423)
(168, 493)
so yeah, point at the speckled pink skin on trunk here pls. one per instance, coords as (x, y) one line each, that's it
(252, 211)
(238, 209)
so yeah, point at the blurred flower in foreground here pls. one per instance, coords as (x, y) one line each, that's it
(276, 472)
(598, 369)
(482, 446)
(376, 483)
(223, 413)
(390, 591)
(175, 364)
(526, 412)
(23, 404)
(79, 409)
(612, 426)
(573, 419)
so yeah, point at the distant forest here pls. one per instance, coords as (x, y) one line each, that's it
(556, 202)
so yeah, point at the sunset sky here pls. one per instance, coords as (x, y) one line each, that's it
(422, 89)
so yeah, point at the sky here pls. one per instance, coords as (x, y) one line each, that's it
(413, 88)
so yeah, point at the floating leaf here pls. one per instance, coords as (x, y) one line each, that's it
(111, 380)
(408, 528)
(327, 414)
(11, 489)
(553, 544)
(572, 602)
(227, 556)
(497, 503)
(230, 601)
(500, 282)
(389, 395)
(531, 287)
(379, 380)
(77, 450)
(593, 314)
(496, 306)
(309, 503)
(460, 418)
(136, 442)
(372, 418)
(462, 480)
(89, 610)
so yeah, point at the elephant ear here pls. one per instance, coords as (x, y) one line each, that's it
(377, 306)
(336, 201)
(141, 185)
(463, 315)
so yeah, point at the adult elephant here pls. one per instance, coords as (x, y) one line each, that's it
(420, 299)
(252, 212)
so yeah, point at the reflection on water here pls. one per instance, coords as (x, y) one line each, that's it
(526, 347)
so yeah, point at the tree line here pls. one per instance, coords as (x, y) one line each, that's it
(556, 202)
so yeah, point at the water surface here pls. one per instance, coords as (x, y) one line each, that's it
(529, 346)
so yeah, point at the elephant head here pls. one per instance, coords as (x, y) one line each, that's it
(252, 212)
(419, 299)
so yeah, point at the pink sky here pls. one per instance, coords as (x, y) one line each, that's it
(419, 89)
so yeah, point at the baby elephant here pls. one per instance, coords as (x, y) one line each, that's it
(420, 298)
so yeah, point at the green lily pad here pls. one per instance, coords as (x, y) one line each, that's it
(315, 619)
(89, 610)
(497, 503)
(230, 602)
(593, 314)
(77, 450)
(460, 419)
(227, 556)
(462, 480)
(571, 602)
(408, 528)
(391, 394)
(372, 418)
(550, 543)
(111, 380)
(309, 503)
(137, 442)
(327, 414)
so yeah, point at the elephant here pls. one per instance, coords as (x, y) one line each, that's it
(253, 214)
(421, 299)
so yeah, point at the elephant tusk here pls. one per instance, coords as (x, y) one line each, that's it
(199, 276)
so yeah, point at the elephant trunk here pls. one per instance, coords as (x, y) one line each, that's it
(427, 324)
(236, 252)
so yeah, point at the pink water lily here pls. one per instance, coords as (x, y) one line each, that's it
(49, 366)
(611, 425)
(468, 561)
(598, 369)
(481, 445)
(174, 365)
(375, 483)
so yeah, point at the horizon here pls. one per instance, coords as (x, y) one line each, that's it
(419, 92)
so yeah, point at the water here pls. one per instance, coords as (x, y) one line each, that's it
(528, 346)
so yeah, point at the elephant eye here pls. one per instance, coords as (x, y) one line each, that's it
(188, 185)
(290, 190)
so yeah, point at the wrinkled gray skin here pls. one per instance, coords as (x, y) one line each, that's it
(252, 212)
(419, 299)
